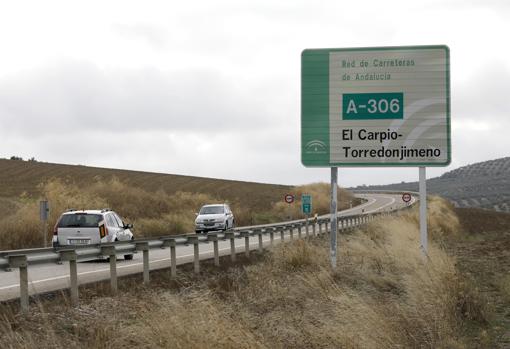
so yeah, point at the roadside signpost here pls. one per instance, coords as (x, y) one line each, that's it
(406, 197)
(378, 106)
(44, 211)
(306, 204)
(289, 199)
(306, 207)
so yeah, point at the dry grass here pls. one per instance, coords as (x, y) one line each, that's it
(442, 220)
(503, 285)
(320, 193)
(152, 213)
(384, 294)
(18, 177)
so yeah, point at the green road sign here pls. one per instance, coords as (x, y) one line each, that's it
(382, 106)
(306, 203)
(372, 106)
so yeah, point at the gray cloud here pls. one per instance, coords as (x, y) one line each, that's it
(155, 36)
(212, 88)
(485, 96)
(80, 96)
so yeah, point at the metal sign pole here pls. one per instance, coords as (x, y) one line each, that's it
(423, 210)
(334, 215)
(44, 210)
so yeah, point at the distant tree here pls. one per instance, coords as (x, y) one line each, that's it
(14, 157)
(32, 159)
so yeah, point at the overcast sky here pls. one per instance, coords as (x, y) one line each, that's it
(212, 88)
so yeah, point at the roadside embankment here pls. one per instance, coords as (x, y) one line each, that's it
(384, 294)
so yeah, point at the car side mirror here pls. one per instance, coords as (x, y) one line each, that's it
(196, 213)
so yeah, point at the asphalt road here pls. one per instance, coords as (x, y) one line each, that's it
(51, 277)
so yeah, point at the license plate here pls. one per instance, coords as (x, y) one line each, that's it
(79, 241)
(209, 224)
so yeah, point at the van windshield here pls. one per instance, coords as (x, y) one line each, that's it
(212, 210)
(80, 220)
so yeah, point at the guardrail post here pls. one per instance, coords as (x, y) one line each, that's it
(214, 238)
(326, 226)
(246, 235)
(20, 261)
(299, 225)
(320, 227)
(282, 233)
(196, 256)
(291, 231)
(306, 227)
(271, 235)
(70, 256)
(173, 257)
(313, 228)
(110, 252)
(230, 235)
(261, 243)
(144, 247)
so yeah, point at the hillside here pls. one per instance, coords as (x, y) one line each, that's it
(18, 176)
(156, 203)
(483, 185)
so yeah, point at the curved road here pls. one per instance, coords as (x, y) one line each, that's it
(51, 277)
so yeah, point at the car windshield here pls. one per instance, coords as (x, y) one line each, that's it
(212, 210)
(80, 220)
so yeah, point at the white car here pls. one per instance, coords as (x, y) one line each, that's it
(214, 217)
(89, 227)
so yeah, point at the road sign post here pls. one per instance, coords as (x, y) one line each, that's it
(334, 216)
(406, 197)
(44, 211)
(423, 210)
(306, 204)
(376, 106)
(289, 199)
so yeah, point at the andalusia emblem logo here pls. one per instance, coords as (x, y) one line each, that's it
(316, 147)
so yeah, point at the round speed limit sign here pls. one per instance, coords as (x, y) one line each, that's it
(406, 197)
(289, 198)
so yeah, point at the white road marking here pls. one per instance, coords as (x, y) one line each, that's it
(108, 269)
(385, 205)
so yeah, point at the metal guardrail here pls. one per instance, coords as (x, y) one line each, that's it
(22, 259)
